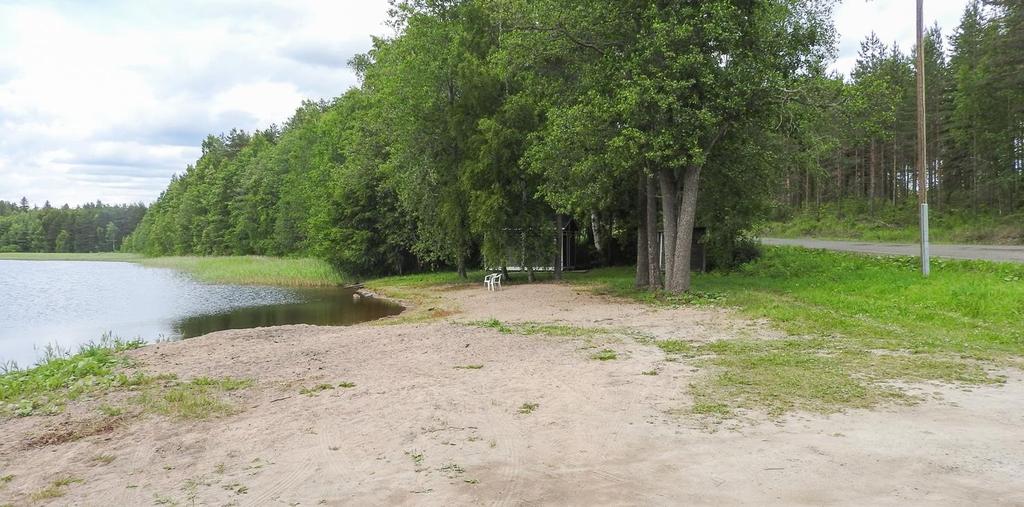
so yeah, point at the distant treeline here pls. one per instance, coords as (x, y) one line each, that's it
(93, 227)
(863, 147)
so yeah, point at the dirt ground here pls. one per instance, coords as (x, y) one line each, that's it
(417, 430)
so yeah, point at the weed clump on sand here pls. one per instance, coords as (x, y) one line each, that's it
(56, 489)
(537, 328)
(312, 391)
(195, 399)
(184, 401)
(604, 355)
(528, 408)
(224, 384)
(675, 347)
(104, 459)
(62, 376)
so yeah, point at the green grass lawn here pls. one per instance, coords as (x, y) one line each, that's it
(898, 225)
(856, 324)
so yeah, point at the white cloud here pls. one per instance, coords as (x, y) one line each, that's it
(892, 20)
(106, 100)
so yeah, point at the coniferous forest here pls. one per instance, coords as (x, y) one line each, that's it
(93, 227)
(482, 127)
(862, 157)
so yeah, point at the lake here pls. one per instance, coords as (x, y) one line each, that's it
(68, 303)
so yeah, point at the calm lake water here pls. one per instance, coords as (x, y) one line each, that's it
(70, 303)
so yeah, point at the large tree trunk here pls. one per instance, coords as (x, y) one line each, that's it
(895, 181)
(680, 280)
(807, 189)
(669, 186)
(595, 229)
(653, 260)
(559, 243)
(643, 279)
(461, 264)
(872, 170)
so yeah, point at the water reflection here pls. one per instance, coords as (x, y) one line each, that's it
(70, 303)
(332, 307)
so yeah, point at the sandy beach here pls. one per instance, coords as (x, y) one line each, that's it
(450, 412)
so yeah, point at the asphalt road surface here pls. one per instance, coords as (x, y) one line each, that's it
(981, 252)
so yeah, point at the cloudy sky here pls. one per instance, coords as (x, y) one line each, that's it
(106, 99)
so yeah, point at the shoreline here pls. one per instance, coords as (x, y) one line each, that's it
(502, 401)
(240, 270)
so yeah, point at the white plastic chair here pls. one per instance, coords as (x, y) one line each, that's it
(493, 280)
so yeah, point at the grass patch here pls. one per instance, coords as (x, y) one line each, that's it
(417, 458)
(62, 376)
(76, 430)
(196, 399)
(649, 373)
(224, 384)
(712, 409)
(527, 408)
(104, 459)
(346, 385)
(675, 347)
(312, 391)
(889, 223)
(56, 489)
(856, 323)
(253, 270)
(620, 282)
(469, 367)
(421, 291)
(605, 355)
(110, 411)
(535, 328)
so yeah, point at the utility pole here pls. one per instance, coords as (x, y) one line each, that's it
(922, 163)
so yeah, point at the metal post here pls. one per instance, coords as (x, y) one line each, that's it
(922, 167)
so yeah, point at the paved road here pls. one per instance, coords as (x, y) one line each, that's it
(983, 252)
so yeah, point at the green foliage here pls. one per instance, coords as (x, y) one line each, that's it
(93, 227)
(61, 376)
(898, 224)
(186, 401)
(859, 147)
(477, 121)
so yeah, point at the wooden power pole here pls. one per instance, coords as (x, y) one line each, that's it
(922, 161)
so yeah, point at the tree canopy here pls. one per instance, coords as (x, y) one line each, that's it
(481, 127)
